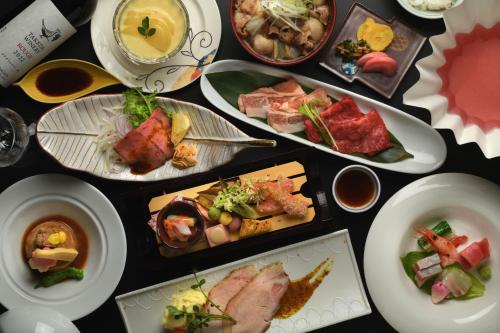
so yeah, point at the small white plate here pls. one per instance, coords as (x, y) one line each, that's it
(427, 14)
(339, 297)
(418, 138)
(471, 206)
(179, 71)
(35, 197)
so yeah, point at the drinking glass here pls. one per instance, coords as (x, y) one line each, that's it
(14, 137)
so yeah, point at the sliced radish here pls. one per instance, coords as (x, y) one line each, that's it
(439, 292)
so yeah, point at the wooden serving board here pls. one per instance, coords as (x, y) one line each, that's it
(293, 170)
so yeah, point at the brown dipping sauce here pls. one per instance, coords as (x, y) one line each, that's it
(63, 81)
(83, 244)
(355, 188)
(300, 291)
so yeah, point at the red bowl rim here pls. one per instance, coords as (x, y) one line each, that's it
(270, 61)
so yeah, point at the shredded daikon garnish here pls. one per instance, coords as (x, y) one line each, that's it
(113, 127)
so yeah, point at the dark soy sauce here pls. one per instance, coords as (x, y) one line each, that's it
(63, 81)
(355, 188)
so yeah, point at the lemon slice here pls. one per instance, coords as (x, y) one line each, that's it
(180, 126)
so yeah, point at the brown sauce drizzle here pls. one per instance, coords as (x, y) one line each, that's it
(300, 291)
(83, 244)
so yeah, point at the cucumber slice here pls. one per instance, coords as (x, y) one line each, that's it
(442, 229)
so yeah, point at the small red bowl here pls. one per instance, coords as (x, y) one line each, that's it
(180, 208)
(271, 61)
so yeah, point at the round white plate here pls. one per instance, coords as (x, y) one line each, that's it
(471, 205)
(179, 71)
(428, 14)
(35, 197)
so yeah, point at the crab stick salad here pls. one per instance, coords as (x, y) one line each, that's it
(448, 266)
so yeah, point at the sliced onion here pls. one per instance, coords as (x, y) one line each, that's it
(254, 25)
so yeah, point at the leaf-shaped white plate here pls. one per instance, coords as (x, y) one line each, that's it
(418, 138)
(339, 297)
(68, 134)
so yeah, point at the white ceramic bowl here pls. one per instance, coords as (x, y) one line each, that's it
(470, 205)
(427, 14)
(35, 319)
(39, 196)
(375, 180)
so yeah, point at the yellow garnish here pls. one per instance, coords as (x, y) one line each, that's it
(378, 36)
(57, 238)
(180, 127)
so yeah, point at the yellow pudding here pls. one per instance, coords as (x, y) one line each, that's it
(167, 18)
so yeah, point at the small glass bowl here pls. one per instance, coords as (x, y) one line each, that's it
(134, 57)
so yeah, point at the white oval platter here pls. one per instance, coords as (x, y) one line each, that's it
(418, 138)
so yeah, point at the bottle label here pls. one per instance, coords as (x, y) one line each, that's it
(29, 37)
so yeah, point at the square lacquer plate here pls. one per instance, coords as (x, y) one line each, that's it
(404, 48)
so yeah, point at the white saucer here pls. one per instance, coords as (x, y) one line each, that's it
(471, 206)
(35, 197)
(179, 71)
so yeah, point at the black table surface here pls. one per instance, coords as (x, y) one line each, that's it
(466, 158)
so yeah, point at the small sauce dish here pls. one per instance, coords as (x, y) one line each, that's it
(356, 188)
(179, 210)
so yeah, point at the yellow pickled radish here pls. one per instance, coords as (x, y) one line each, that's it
(364, 27)
(180, 126)
(379, 36)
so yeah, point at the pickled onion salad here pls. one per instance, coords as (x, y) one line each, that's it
(448, 266)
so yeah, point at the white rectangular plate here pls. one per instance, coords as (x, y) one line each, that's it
(340, 297)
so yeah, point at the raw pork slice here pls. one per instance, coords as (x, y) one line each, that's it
(148, 146)
(256, 304)
(257, 103)
(286, 118)
(222, 292)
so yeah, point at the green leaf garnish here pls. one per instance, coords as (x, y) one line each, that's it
(312, 113)
(144, 29)
(140, 105)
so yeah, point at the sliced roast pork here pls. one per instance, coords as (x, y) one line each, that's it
(222, 292)
(255, 305)
(148, 146)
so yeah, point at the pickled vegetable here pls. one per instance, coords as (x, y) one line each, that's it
(364, 27)
(225, 218)
(180, 127)
(214, 213)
